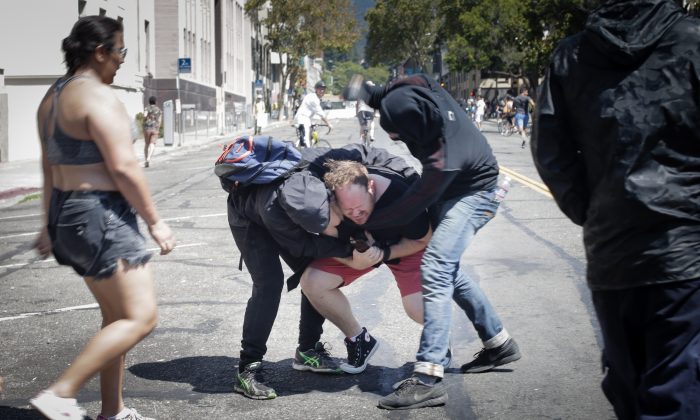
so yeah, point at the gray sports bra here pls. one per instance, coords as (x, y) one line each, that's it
(63, 149)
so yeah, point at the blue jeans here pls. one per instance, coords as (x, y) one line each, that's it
(455, 222)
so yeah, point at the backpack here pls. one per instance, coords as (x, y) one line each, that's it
(255, 160)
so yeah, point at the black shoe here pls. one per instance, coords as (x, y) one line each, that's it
(488, 359)
(412, 393)
(317, 359)
(249, 383)
(359, 352)
(522, 145)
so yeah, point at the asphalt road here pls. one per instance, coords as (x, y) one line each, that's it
(529, 260)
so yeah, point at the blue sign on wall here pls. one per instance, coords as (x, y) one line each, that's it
(184, 65)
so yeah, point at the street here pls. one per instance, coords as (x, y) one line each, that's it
(529, 260)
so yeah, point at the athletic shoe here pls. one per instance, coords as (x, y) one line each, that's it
(412, 393)
(249, 383)
(57, 408)
(317, 359)
(359, 352)
(131, 414)
(487, 359)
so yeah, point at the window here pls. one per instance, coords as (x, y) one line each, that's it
(147, 33)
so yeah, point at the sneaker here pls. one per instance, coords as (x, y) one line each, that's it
(412, 393)
(57, 408)
(487, 359)
(131, 414)
(147, 164)
(359, 352)
(522, 145)
(248, 383)
(317, 359)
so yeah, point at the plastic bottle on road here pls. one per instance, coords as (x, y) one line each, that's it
(502, 189)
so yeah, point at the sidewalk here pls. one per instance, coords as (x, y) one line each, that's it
(22, 178)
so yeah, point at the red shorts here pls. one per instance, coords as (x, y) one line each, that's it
(406, 272)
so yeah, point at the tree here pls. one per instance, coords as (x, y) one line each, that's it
(513, 37)
(303, 27)
(400, 30)
(344, 70)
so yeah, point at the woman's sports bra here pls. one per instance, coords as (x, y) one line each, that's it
(63, 149)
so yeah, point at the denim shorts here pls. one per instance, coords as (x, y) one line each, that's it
(92, 230)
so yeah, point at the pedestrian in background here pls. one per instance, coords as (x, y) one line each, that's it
(93, 188)
(457, 184)
(259, 114)
(151, 129)
(617, 141)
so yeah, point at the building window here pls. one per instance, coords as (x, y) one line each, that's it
(147, 32)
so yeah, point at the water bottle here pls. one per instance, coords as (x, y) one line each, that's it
(502, 189)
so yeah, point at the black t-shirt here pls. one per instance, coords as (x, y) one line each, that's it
(415, 229)
(521, 103)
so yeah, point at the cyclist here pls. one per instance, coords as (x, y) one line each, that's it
(309, 107)
(365, 115)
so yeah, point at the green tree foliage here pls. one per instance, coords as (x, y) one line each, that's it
(512, 37)
(343, 71)
(400, 30)
(303, 27)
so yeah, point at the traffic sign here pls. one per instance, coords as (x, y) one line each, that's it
(184, 65)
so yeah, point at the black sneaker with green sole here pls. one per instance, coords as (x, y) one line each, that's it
(317, 359)
(249, 383)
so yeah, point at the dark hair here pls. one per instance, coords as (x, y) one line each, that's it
(152, 100)
(87, 34)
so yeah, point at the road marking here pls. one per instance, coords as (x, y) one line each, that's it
(203, 216)
(192, 217)
(51, 311)
(20, 216)
(18, 235)
(22, 264)
(531, 183)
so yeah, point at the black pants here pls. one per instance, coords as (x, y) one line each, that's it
(261, 255)
(652, 350)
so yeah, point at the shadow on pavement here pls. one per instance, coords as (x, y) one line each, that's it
(215, 374)
(14, 413)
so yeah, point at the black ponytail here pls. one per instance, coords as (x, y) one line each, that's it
(87, 34)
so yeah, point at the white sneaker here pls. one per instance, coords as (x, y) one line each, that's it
(57, 408)
(126, 414)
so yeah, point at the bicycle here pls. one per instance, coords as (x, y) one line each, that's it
(315, 141)
(505, 127)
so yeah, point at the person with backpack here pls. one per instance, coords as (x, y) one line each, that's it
(278, 207)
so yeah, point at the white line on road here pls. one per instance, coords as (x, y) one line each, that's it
(202, 216)
(22, 264)
(20, 216)
(51, 311)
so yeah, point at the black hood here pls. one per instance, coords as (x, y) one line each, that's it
(626, 31)
(306, 201)
(410, 112)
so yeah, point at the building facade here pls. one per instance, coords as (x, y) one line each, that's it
(229, 63)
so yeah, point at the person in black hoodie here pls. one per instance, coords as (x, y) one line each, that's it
(617, 140)
(457, 185)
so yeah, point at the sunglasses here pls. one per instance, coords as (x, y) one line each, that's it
(122, 52)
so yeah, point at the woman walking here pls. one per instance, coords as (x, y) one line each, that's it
(93, 188)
